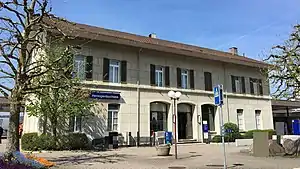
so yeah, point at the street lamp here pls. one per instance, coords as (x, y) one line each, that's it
(174, 96)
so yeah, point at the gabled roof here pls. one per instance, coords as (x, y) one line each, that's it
(112, 36)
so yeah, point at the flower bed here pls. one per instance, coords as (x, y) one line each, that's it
(17, 160)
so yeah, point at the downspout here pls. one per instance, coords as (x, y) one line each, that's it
(226, 92)
(138, 98)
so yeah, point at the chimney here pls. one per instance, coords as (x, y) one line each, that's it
(152, 35)
(233, 50)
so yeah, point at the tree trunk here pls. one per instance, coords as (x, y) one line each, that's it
(13, 127)
(45, 123)
(54, 128)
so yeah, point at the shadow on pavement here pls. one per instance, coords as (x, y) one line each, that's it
(88, 159)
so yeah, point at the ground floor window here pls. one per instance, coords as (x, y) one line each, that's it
(240, 119)
(258, 119)
(113, 117)
(158, 116)
(208, 114)
(76, 124)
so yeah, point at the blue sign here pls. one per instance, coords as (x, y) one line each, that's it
(218, 95)
(168, 137)
(105, 95)
(296, 127)
(205, 128)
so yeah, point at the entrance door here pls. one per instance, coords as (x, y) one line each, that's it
(182, 124)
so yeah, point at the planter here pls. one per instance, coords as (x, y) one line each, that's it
(163, 150)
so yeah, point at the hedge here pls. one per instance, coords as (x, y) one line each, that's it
(249, 134)
(70, 141)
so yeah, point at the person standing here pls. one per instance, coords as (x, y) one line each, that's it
(1, 133)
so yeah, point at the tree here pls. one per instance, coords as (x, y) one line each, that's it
(22, 30)
(64, 98)
(284, 71)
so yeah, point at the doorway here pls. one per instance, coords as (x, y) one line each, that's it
(182, 124)
(185, 127)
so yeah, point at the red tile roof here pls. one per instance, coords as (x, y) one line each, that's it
(106, 35)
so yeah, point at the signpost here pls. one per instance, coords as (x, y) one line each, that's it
(218, 95)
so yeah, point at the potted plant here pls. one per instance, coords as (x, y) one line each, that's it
(163, 149)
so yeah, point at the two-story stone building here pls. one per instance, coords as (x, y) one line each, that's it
(130, 75)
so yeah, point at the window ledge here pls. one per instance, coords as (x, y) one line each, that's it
(166, 89)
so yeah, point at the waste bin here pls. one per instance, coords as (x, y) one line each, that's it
(113, 139)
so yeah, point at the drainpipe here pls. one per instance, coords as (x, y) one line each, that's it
(138, 98)
(226, 92)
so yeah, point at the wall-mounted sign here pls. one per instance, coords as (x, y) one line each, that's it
(105, 95)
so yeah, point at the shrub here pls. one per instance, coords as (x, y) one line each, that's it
(76, 141)
(29, 141)
(231, 132)
(216, 139)
(46, 142)
(249, 134)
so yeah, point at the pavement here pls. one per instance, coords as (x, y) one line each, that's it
(190, 156)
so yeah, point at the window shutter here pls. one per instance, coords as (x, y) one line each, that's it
(71, 124)
(123, 71)
(243, 85)
(152, 74)
(207, 81)
(167, 76)
(105, 69)
(260, 87)
(251, 86)
(178, 77)
(89, 68)
(192, 81)
(233, 84)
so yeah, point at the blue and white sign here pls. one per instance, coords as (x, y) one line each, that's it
(218, 95)
(205, 129)
(105, 95)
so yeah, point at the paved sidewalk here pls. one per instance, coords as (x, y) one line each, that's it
(191, 156)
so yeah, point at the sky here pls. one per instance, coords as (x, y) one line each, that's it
(253, 26)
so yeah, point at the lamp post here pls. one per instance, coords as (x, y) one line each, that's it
(174, 96)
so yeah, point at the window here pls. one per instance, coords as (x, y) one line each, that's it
(79, 67)
(75, 123)
(184, 78)
(207, 81)
(159, 76)
(112, 121)
(240, 119)
(238, 84)
(158, 116)
(256, 86)
(114, 71)
(258, 119)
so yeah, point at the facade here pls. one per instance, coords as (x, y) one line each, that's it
(129, 76)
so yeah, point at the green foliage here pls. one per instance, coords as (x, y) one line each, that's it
(234, 132)
(71, 141)
(249, 134)
(77, 141)
(216, 139)
(28, 141)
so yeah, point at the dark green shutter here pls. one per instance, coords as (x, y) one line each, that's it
(178, 77)
(192, 81)
(105, 69)
(260, 86)
(207, 81)
(243, 85)
(233, 84)
(167, 76)
(71, 124)
(152, 74)
(251, 86)
(123, 71)
(89, 68)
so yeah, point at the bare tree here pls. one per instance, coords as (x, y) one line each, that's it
(284, 72)
(22, 38)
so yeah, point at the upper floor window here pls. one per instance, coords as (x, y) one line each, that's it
(185, 78)
(83, 67)
(159, 75)
(207, 81)
(238, 84)
(256, 86)
(114, 71)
